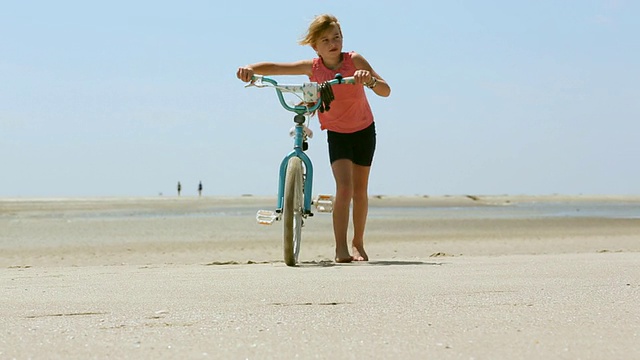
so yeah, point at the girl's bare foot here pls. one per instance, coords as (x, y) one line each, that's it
(342, 256)
(359, 254)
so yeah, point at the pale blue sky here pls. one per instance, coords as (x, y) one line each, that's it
(125, 98)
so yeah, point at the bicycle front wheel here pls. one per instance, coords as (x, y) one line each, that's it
(292, 212)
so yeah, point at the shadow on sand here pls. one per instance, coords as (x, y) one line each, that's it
(401, 262)
(328, 263)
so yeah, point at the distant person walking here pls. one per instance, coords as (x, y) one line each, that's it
(179, 188)
(200, 189)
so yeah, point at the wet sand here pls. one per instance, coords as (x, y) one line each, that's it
(197, 278)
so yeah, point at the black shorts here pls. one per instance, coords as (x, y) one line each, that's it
(357, 147)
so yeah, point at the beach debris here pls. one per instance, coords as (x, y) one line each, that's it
(234, 262)
(330, 303)
(439, 254)
(230, 262)
(88, 313)
(159, 314)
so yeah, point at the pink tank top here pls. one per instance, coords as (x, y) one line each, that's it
(349, 111)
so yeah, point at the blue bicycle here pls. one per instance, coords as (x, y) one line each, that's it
(296, 170)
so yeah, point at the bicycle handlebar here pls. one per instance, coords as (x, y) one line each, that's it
(310, 91)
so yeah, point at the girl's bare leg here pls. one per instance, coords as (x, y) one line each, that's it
(342, 173)
(360, 176)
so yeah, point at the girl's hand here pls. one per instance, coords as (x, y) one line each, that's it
(362, 77)
(245, 73)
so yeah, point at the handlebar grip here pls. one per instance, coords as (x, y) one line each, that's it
(263, 79)
(342, 80)
(349, 80)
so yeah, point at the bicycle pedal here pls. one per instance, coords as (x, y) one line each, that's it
(266, 217)
(324, 203)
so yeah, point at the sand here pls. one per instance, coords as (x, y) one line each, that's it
(457, 277)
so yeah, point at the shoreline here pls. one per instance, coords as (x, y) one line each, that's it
(13, 203)
(143, 231)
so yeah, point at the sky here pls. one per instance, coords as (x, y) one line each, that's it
(126, 98)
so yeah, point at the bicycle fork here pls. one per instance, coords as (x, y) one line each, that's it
(324, 203)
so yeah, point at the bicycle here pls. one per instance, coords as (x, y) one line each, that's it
(296, 169)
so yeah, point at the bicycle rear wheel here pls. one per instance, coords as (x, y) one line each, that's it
(292, 212)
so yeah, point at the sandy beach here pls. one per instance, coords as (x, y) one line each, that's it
(450, 277)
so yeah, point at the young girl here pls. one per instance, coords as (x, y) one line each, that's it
(349, 123)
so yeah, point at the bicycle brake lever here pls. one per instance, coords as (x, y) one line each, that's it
(256, 82)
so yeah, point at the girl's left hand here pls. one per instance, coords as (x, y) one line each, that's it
(362, 77)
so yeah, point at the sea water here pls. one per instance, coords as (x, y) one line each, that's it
(609, 210)
(545, 209)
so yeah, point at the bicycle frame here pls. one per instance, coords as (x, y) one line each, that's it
(299, 137)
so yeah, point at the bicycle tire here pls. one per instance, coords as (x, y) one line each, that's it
(292, 210)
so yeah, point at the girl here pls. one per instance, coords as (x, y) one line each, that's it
(349, 123)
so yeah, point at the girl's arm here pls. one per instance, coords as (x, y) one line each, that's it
(365, 75)
(302, 67)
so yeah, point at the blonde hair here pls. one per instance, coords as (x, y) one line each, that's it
(319, 25)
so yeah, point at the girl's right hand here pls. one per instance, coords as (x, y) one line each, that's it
(245, 73)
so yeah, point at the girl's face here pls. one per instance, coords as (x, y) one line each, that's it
(329, 44)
